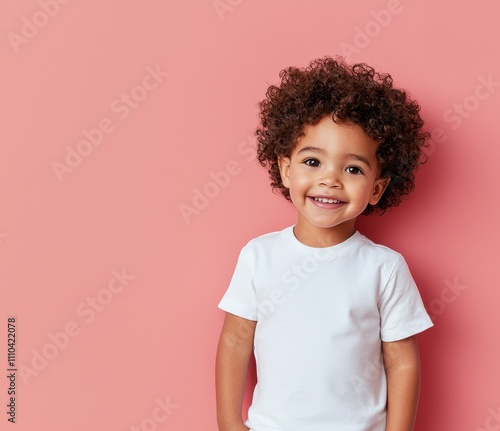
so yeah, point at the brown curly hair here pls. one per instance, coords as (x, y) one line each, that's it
(351, 94)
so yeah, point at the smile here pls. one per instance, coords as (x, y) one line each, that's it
(327, 200)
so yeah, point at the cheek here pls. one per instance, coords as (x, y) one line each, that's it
(363, 190)
(299, 177)
(299, 184)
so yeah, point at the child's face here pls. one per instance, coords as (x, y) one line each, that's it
(332, 175)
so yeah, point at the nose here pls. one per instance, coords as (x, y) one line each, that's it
(330, 178)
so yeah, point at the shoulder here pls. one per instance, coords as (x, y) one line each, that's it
(267, 239)
(265, 245)
(378, 252)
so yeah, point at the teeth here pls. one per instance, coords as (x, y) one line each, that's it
(327, 201)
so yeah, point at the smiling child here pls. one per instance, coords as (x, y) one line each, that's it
(331, 317)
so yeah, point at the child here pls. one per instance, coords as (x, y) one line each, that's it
(330, 316)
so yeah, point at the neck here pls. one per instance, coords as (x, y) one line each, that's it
(314, 236)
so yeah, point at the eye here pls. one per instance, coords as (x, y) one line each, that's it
(354, 170)
(311, 162)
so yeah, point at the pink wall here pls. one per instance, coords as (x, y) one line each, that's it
(115, 293)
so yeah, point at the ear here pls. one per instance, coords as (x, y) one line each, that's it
(284, 165)
(378, 190)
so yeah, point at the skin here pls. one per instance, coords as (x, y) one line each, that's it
(331, 160)
(233, 356)
(402, 368)
(336, 161)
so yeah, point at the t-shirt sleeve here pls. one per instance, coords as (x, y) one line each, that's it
(402, 311)
(240, 297)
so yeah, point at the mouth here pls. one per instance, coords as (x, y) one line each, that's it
(326, 203)
(327, 200)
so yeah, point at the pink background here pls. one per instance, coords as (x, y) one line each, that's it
(150, 340)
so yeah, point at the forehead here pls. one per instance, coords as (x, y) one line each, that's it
(336, 138)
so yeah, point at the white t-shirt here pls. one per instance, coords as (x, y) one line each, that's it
(321, 316)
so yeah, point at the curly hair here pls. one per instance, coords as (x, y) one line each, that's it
(349, 94)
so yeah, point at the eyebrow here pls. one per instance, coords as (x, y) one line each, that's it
(313, 149)
(347, 156)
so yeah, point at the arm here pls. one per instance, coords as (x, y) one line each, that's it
(402, 367)
(233, 356)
